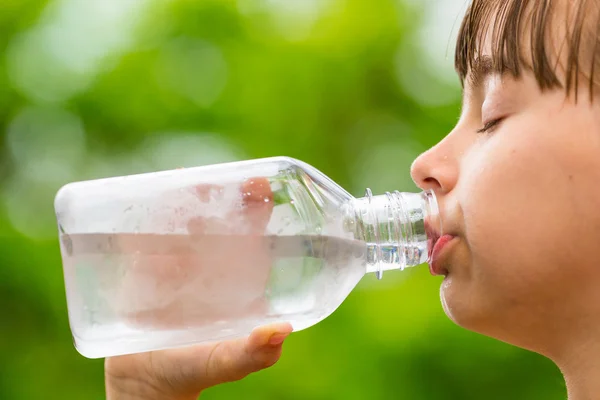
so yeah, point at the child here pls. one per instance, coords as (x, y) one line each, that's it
(518, 184)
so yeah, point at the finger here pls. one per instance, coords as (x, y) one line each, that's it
(233, 360)
(257, 202)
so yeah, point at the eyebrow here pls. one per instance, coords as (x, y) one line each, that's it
(481, 69)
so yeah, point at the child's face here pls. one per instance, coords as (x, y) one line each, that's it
(523, 201)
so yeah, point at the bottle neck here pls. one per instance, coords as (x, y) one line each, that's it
(399, 229)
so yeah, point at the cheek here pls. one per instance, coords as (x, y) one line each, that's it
(517, 196)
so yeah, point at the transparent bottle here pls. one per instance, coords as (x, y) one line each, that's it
(172, 258)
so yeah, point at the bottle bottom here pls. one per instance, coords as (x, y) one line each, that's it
(128, 340)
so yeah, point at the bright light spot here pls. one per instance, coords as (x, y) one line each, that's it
(174, 150)
(28, 201)
(47, 147)
(294, 19)
(36, 72)
(194, 68)
(422, 80)
(110, 165)
(437, 37)
(425, 62)
(46, 143)
(61, 55)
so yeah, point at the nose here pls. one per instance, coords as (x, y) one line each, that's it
(436, 169)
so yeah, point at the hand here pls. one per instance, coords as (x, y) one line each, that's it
(182, 374)
(210, 271)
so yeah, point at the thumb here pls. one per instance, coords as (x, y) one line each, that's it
(233, 360)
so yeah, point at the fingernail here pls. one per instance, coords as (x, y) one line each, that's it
(277, 338)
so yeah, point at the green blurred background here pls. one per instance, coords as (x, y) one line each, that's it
(357, 88)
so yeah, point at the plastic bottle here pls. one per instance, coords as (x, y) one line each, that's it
(172, 258)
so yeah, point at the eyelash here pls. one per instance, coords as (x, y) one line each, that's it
(489, 126)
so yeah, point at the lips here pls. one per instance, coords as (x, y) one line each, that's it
(435, 265)
(437, 241)
(432, 237)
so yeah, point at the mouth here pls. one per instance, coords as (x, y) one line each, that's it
(436, 266)
(436, 244)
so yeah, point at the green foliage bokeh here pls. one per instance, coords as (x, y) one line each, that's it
(92, 88)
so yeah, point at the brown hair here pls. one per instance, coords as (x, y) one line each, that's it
(518, 24)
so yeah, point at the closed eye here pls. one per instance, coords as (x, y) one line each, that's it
(489, 126)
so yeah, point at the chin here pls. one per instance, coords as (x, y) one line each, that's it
(472, 312)
(446, 299)
(463, 309)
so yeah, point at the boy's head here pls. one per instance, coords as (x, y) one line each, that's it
(518, 178)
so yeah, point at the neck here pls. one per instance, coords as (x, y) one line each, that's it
(581, 369)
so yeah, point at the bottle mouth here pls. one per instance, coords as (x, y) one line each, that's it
(400, 229)
(423, 225)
